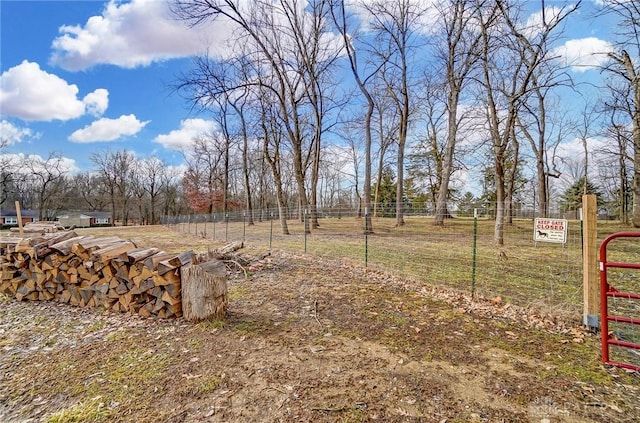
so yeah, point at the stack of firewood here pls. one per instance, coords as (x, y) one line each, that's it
(89, 271)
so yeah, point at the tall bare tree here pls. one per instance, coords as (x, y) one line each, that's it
(427, 157)
(511, 55)
(627, 70)
(362, 77)
(290, 45)
(544, 126)
(272, 141)
(458, 51)
(395, 24)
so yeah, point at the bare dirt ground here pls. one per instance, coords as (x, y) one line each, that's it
(309, 340)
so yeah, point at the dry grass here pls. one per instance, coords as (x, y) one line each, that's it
(521, 271)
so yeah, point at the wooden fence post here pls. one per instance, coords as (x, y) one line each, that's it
(19, 215)
(591, 279)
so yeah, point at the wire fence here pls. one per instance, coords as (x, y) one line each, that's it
(461, 254)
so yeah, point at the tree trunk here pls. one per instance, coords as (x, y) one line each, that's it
(636, 155)
(245, 168)
(500, 200)
(204, 291)
(443, 189)
(400, 186)
(543, 206)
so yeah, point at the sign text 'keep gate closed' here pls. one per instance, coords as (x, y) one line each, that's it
(550, 230)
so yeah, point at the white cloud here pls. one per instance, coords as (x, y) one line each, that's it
(584, 54)
(14, 134)
(37, 162)
(29, 93)
(135, 34)
(428, 13)
(108, 129)
(535, 24)
(180, 139)
(97, 102)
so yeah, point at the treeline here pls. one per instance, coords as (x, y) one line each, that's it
(134, 190)
(425, 92)
(389, 102)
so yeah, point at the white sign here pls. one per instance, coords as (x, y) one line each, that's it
(550, 230)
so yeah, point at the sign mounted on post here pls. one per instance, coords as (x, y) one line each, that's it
(550, 230)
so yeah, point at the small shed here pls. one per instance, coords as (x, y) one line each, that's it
(81, 219)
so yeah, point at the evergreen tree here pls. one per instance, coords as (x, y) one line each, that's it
(387, 195)
(467, 203)
(572, 197)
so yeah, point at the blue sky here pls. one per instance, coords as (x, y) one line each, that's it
(68, 98)
(79, 77)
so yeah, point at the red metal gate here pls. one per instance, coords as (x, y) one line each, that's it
(608, 291)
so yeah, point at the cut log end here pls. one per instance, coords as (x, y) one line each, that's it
(204, 291)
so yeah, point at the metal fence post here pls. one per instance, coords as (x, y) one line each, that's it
(591, 282)
(366, 237)
(475, 249)
(271, 231)
(306, 225)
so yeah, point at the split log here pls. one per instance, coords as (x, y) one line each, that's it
(174, 262)
(64, 247)
(140, 254)
(230, 248)
(117, 250)
(152, 262)
(204, 291)
(43, 248)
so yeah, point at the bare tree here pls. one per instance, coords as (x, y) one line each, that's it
(152, 172)
(116, 169)
(395, 24)
(618, 107)
(8, 174)
(92, 189)
(507, 45)
(289, 45)
(627, 71)
(362, 78)
(205, 180)
(544, 128)
(47, 179)
(223, 87)
(427, 157)
(386, 128)
(272, 140)
(458, 51)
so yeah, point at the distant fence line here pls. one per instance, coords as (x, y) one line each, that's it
(380, 210)
(461, 254)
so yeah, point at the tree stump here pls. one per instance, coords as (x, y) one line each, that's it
(204, 290)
